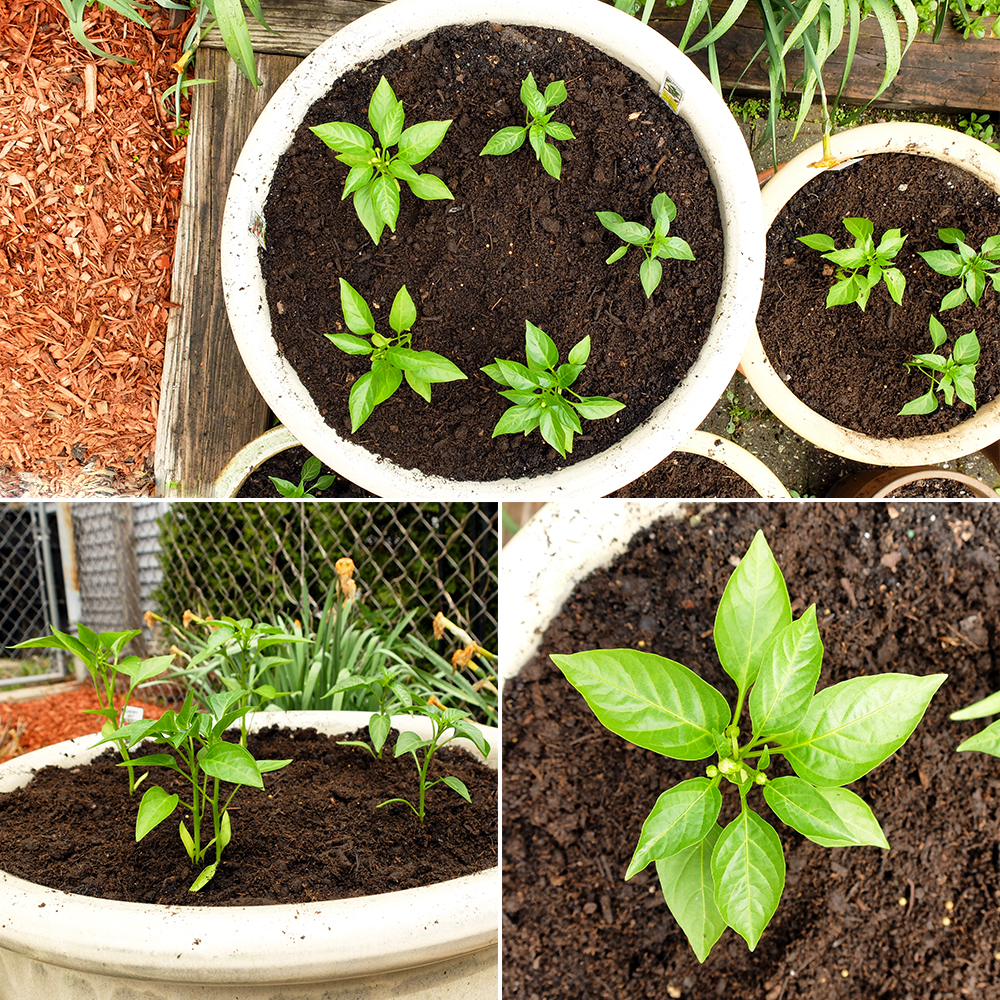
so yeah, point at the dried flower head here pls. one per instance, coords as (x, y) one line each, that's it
(461, 658)
(439, 625)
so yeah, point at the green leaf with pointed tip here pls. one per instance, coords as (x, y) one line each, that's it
(754, 608)
(787, 678)
(457, 785)
(539, 348)
(342, 135)
(204, 878)
(559, 131)
(580, 352)
(681, 818)
(597, 407)
(357, 315)
(856, 814)
(403, 314)
(551, 160)
(748, 867)
(805, 809)
(818, 241)
(978, 710)
(385, 199)
(505, 141)
(987, 741)
(230, 762)
(650, 274)
(860, 228)
(649, 700)
(851, 727)
(419, 141)
(386, 114)
(155, 807)
(689, 892)
(428, 187)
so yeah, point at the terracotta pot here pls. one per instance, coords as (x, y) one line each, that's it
(967, 437)
(669, 73)
(879, 483)
(427, 943)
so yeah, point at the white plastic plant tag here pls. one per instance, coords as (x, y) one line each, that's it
(132, 713)
(671, 93)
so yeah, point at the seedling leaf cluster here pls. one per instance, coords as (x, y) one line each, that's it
(715, 876)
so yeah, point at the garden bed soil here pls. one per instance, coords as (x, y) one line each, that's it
(684, 475)
(313, 833)
(932, 487)
(899, 587)
(846, 364)
(288, 465)
(514, 245)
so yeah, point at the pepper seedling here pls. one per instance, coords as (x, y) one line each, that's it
(988, 739)
(443, 720)
(538, 125)
(654, 243)
(971, 268)
(537, 391)
(713, 876)
(391, 357)
(852, 285)
(954, 375)
(376, 172)
(311, 469)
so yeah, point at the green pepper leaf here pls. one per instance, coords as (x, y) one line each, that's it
(155, 807)
(505, 141)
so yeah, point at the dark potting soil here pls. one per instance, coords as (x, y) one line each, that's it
(932, 488)
(847, 364)
(514, 245)
(683, 475)
(287, 465)
(904, 587)
(313, 833)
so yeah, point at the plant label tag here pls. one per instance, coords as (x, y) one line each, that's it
(257, 227)
(671, 93)
(132, 713)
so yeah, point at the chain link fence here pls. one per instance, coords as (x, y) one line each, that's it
(260, 560)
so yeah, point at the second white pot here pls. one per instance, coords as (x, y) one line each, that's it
(669, 73)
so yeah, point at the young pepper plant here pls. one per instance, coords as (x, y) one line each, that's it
(713, 876)
(204, 759)
(375, 171)
(971, 268)
(443, 720)
(537, 391)
(101, 654)
(311, 469)
(954, 375)
(391, 357)
(538, 126)
(655, 243)
(854, 283)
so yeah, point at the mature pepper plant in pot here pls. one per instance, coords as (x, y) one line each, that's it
(713, 877)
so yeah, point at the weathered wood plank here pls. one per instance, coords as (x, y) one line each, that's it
(951, 73)
(209, 408)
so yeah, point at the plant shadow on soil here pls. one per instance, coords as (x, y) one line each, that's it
(905, 587)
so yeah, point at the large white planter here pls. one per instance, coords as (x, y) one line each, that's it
(250, 458)
(895, 137)
(638, 47)
(434, 942)
(738, 460)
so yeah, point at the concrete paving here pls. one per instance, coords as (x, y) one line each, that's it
(806, 470)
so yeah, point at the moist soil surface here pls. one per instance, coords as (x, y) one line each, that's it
(313, 833)
(932, 488)
(514, 245)
(683, 475)
(909, 587)
(847, 364)
(287, 465)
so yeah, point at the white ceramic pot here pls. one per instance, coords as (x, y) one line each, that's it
(639, 48)
(739, 460)
(250, 458)
(894, 137)
(434, 942)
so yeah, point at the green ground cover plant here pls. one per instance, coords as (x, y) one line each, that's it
(712, 876)
(375, 172)
(392, 358)
(538, 127)
(537, 391)
(952, 376)
(655, 242)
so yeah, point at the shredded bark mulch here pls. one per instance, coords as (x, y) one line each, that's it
(88, 215)
(847, 364)
(314, 832)
(514, 245)
(909, 587)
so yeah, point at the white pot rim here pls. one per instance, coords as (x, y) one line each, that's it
(638, 47)
(929, 449)
(745, 464)
(250, 458)
(331, 939)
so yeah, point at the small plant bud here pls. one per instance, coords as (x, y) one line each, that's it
(761, 779)
(727, 766)
(712, 771)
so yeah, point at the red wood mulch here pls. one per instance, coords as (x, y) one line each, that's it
(90, 185)
(55, 718)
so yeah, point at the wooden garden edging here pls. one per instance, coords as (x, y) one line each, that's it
(209, 408)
